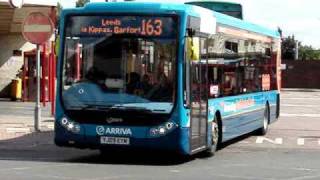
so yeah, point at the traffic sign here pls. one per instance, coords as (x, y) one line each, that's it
(16, 3)
(37, 28)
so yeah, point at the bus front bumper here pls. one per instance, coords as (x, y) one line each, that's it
(90, 136)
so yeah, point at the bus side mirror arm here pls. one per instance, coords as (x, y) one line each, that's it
(190, 32)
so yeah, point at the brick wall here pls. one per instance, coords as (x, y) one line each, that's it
(301, 74)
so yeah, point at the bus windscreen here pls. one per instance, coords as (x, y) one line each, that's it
(120, 62)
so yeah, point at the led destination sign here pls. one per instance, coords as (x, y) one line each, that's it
(117, 25)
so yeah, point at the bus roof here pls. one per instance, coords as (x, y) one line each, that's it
(134, 6)
(215, 1)
(152, 7)
(245, 25)
(225, 7)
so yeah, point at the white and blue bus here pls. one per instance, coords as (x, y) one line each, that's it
(173, 77)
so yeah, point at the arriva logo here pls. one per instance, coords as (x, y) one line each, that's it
(113, 131)
(114, 120)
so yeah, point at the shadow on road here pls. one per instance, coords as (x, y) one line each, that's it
(40, 147)
(235, 140)
(142, 157)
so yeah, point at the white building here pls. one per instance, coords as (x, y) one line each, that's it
(12, 43)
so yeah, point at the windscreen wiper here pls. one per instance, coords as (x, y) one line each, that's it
(111, 108)
(132, 109)
(90, 107)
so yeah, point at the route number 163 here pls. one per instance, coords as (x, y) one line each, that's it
(151, 27)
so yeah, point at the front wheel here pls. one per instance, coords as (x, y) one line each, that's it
(264, 129)
(215, 138)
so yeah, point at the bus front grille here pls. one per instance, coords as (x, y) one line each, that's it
(116, 118)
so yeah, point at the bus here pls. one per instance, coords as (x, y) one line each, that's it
(228, 8)
(169, 77)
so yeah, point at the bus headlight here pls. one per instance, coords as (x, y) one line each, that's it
(76, 128)
(154, 131)
(169, 125)
(64, 122)
(70, 125)
(162, 129)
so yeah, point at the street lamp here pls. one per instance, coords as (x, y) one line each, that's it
(296, 49)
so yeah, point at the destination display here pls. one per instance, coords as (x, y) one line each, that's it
(121, 25)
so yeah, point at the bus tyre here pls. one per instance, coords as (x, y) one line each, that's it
(264, 129)
(215, 138)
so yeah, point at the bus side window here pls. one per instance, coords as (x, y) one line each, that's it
(229, 85)
(215, 75)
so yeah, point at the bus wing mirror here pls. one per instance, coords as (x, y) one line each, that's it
(193, 50)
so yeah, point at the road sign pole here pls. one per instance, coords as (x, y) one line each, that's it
(37, 117)
(37, 28)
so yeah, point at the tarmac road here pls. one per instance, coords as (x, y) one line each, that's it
(290, 151)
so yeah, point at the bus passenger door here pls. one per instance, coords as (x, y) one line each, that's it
(198, 101)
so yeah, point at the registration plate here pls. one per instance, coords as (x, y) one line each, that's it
(114, 140)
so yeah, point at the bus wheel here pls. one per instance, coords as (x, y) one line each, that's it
(264, 129)
(215, 138)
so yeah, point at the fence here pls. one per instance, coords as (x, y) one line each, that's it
(301, 74)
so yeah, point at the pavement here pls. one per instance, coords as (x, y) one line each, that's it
(290, 151)
(17, 119)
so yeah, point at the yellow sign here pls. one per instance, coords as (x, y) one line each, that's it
(57, 45)
(193, 48)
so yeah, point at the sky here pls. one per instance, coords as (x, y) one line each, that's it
(298, 17)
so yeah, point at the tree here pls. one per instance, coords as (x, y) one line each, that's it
(305, 52)
(288, 47)
(81, 3)
(308, 53)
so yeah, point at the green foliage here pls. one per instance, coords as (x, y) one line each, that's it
(81, 3)
(288, 47)
(308, 53)
(305, 52)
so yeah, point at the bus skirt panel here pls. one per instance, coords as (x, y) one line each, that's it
(177, 140)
